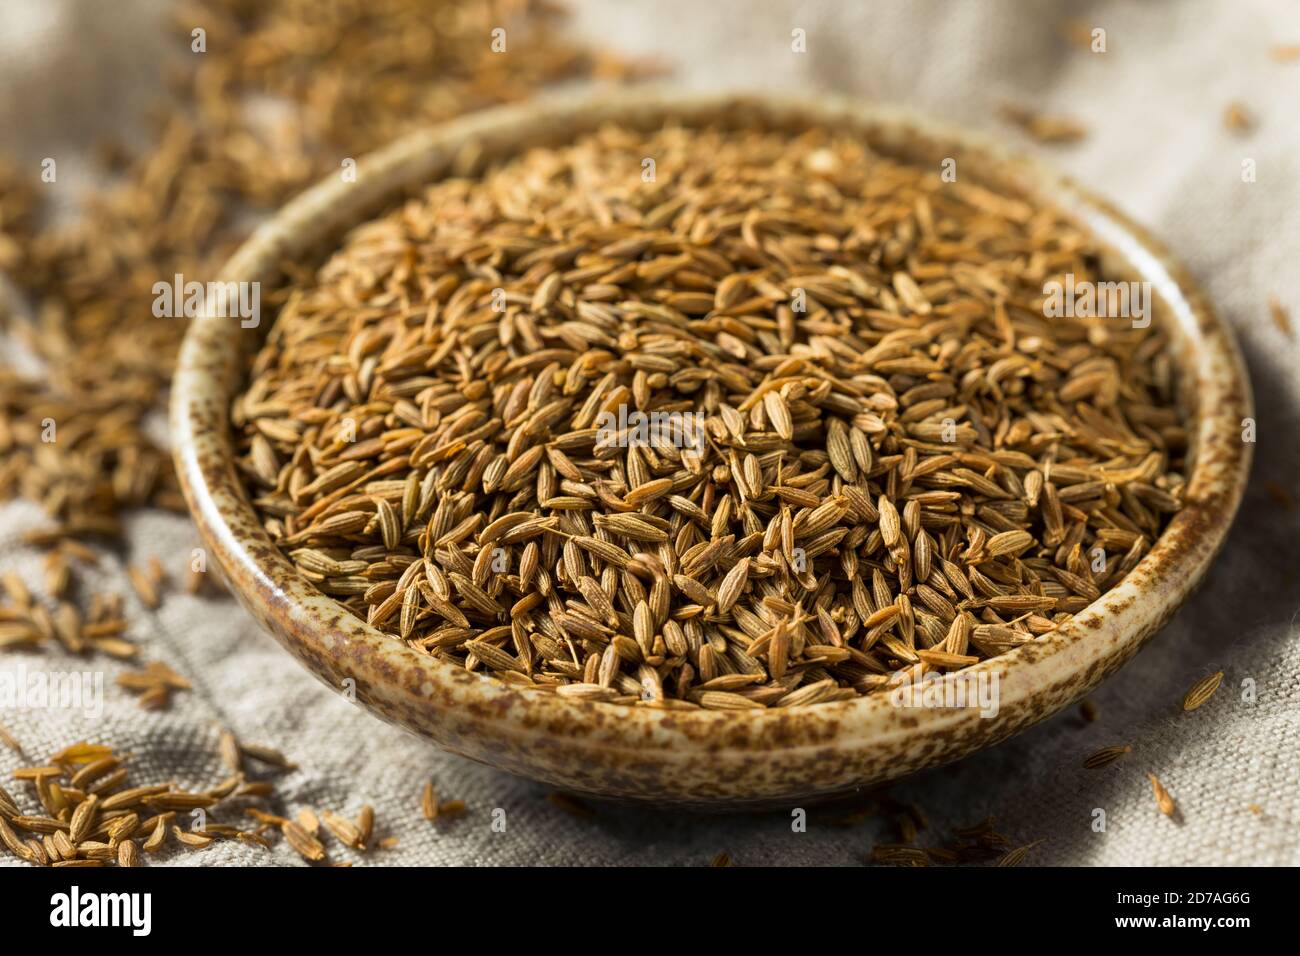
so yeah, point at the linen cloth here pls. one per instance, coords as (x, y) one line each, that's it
(1157, 146)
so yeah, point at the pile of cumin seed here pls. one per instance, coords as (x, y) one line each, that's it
(181, 200)
(88, 816)
(906, 466)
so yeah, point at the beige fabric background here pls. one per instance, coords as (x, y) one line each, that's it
(1158, 147)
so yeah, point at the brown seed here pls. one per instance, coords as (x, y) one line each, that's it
(1106, 755)
(365, 825)
(343, 829)
(178, 801)
(1202, 691)
(123, 828)
(131, 796)
(1281, 317)
(190, 838)
(93, 771)
(778, 414)
(451, 808)
(303, 843)
(493, 656)
(63, 845)
(1237, 119)
(890, 529)
(732, 586)
(1017, 856)
(158, 837)
(144, 587)
(15, 845)
(1163, 800)
(429, 801)
(267, 755)
(1008, 542)
(390, 528)
(83, 819)
(231, 755)
(37, 773)
(1045, 129)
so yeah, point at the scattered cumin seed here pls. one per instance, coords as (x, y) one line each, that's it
(302, 842)
(723, 858)
(144, 586)
(365, 825)
(158, 837)
(1043, 127)
(896, 854)
(154, 684)
(1237, 119)
(231, 754)
(81, 752)
(267, 755)
(451, 809)
(1163, 800)
(1105, 756)
(266, 819)
(1202, 691)
(1088, 711)
(1281, 317)
(1017, 856)
(92, 812)
(191, 838)
(344, 830)
(16, 846)
(10, 741)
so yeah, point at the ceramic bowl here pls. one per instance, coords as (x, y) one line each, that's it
(702, 759)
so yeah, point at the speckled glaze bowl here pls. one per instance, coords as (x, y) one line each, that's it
(702, 759)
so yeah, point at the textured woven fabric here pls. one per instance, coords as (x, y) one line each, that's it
(1158, 147)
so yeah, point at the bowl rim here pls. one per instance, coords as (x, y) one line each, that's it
(209, 362)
